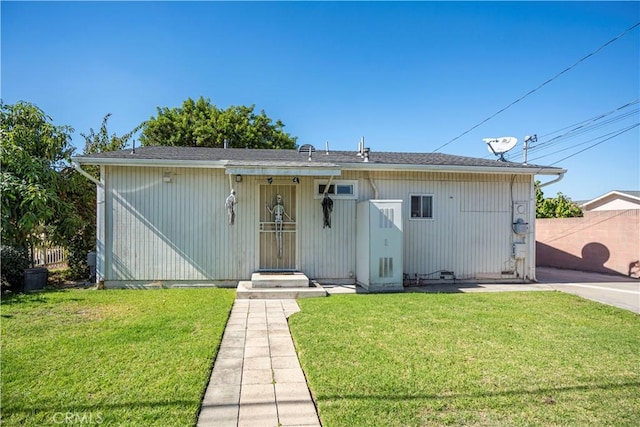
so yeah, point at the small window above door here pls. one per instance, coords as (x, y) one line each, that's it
(338, 189)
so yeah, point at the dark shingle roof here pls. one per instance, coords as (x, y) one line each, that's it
(629, 193)
(267, 157)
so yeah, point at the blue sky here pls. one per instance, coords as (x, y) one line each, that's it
(406, 76)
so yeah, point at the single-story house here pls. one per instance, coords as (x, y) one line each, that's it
(613, 201)
(194, 215)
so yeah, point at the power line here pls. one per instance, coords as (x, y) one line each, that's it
(539, 86)
(583, 143)
(590, 124)
(591, 128)
(577, 129)
(635, 101)
(553, 143)
(597, 143)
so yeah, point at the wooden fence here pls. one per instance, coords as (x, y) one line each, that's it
(44, 256)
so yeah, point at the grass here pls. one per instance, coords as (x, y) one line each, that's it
(112, 357)
(60, 278)
(516, 359)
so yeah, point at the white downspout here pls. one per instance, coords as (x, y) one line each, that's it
(531, 235)
(86, 174)
(532, 240)
(373, 185)
(101, 232)
(553, 181)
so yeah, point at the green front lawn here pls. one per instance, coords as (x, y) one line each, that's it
(117, 357)
(507, 359)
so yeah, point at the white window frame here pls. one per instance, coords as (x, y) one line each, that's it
(317, 194)
(420, 218)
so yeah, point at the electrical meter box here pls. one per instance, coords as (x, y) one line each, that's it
(521, 217)
(379, 263)
(519, 250)
(520, 227)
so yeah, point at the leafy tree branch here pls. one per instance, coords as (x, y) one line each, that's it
(201, 124)
(560, 206)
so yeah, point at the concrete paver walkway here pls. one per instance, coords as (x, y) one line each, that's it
(257, 379)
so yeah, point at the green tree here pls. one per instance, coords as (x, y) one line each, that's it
(101, 141)
(560, 206)
(202, 124)
(34, 177)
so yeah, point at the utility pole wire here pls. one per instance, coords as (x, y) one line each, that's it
(616, 132)
(628, 104)
(556, 142)
(597, 143)
(590, 124)
(584, 126)
(539, 87)
(566, 138)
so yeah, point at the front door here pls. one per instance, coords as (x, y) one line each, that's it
(277, 225)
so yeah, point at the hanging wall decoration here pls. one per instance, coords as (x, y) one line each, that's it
(327, 208)
(230, 204)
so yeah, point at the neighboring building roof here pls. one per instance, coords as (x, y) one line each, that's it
(631, 197)
(273, 158)
(635, 194)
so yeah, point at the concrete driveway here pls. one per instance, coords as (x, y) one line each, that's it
(619, 291)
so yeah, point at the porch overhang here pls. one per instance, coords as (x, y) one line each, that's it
(283, 169)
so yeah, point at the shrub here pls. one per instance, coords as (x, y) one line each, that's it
(81, 243)
(14, 262)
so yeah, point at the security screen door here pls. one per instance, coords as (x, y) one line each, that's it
(277, 225)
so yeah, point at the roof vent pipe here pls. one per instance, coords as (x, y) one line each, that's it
(365, 153)
(326, 148)
(361, 146)
(226, 143)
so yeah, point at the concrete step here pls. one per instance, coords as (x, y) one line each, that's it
(293, 279)
(246, 291)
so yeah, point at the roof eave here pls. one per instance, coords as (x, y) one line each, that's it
(611, 193)
(283, 171)
(455, 168)
(111, 161)
(221, 164)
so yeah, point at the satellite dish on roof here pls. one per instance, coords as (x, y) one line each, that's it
(499, 146)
